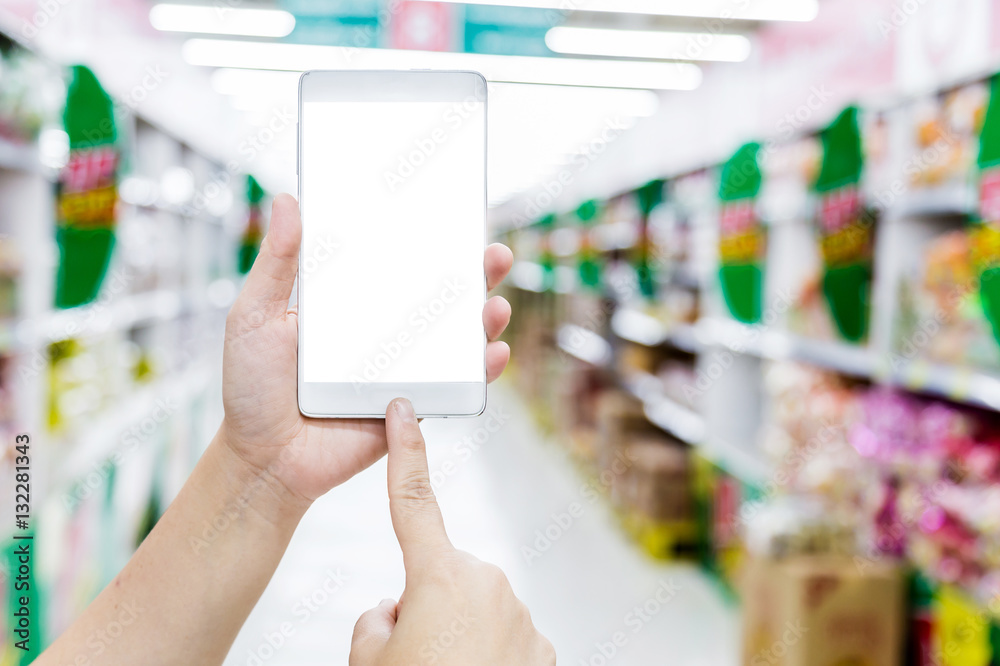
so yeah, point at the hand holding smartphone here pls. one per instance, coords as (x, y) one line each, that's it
(392, 190)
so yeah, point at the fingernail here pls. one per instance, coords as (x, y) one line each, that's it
(405, 410)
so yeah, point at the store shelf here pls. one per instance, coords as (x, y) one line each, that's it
(662, 411)
(97, 318)
(644, 329)
(21, 157)
(104, 434)
(680, 421)
(527, 276)
(640, 328)
(688, 426)
(782, 346)
(584, 345)
(738, 462)
(947, 199)
(532, 276)
(956, 383)
(189, 212)
(120, 315)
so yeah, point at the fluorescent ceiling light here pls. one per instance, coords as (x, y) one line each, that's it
(514, 69)
(221, 20)
(648, 44)
(750, 10)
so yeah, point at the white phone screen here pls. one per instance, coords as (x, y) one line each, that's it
(391, 268)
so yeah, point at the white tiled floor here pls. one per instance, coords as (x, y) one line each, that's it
(495, 495)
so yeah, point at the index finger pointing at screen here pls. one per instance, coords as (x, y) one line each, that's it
(416, 517)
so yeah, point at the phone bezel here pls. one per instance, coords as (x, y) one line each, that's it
(430, 399)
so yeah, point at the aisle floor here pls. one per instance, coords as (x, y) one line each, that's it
(498, 482)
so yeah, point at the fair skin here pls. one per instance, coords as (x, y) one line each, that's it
(186, 592)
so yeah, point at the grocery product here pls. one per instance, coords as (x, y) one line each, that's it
(27, 93)
(87, 191)
(250, 242)
(946, 136)
(648, 197)
(845, 227)
(823, 611)
(985, 233)
(619, 417)
(577, 393)
(590, 267)
(653, 490)
(742, 240)
(719, 498)
(10, 270)
(941, 316)
(963, 632)
(657, 483)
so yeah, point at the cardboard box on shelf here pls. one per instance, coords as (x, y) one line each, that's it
(576, 391)
(651, 486)
(822, 611)
(582, 444)
(762, 612)
(638, 358)
(657, 481)
(619, 416)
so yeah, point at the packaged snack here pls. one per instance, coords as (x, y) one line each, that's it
(652, 487)
(657, 483)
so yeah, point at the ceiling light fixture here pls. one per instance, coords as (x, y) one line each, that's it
(221, 21)
(512, 69)
(657, 45)
(748, 10)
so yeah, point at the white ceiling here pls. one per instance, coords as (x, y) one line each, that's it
(534, 130)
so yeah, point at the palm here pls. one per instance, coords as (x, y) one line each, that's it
(263, 422)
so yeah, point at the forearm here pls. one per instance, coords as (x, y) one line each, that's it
(186, 592)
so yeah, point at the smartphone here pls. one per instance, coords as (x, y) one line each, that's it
(391, 287)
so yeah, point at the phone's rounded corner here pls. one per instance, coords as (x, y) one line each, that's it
(302, 409)
(484, 91)
(304, 79)
(484, 404)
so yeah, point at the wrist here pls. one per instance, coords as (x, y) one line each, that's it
(253, 487)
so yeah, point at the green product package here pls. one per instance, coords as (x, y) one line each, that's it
(546, 258)
(649, 196)
(589, 260)
(742, 239)
(986, 230)
(86, 193)
(845, 227)
(994, 643)
(152, 512)
(250, 242)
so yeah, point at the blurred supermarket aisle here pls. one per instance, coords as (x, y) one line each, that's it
(498, 483)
